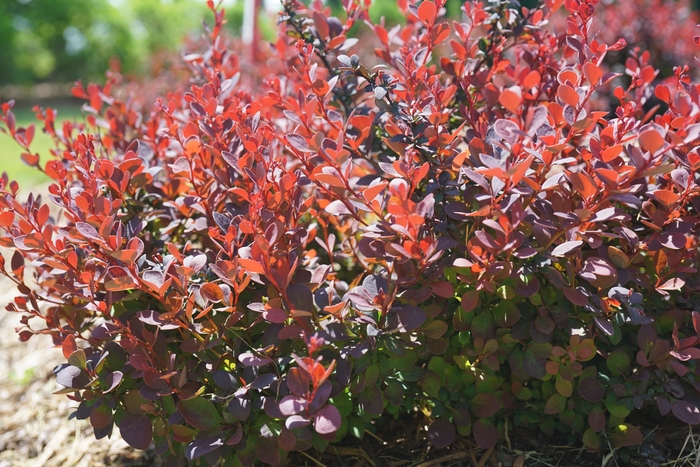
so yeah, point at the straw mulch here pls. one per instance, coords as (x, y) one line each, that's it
(34, 426)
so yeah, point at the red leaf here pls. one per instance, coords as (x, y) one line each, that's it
(651, 140)
(470, 300)
(443, 289)
(568, 95)
(250, 265)
(69, 345)
(485, 434)
(427, 12)
(192, 146)
(484, 405)
(666, 197)
(510, 98)
(118, 279)
(212, 292)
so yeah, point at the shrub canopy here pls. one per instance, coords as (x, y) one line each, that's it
(255, 266)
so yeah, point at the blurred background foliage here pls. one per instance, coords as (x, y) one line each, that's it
(66, 40)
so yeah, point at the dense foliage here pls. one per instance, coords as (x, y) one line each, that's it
(256, 266)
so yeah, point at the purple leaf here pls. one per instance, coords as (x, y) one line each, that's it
(87, 231)
(239, 407)
(112, 380)
(591, 389)
(292, 405)
(575, 296)
(685, 412)
(566, 248)
(457, 211)
(597, 419)
(136, 430)
(441, 433)
(507, 130)
(296, 421)
(298, 142)
(196, 262)
(337, 208)
(485, 405)
(203, 445)
(411, 317)
(71, 376)
(301, 297)
(200, 413)
(263, 381)
(605, 326)
(327, 420)
(153, 318)
(664, 405)
(321, 396)
(250, 359)
(485, 434)
(672, 240)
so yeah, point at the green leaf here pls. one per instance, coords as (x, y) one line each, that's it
(431, 383)
(200, 413)
(555, 404)
(343, 402)
(564, 387)
(78, 359)
(618, 362)
(506, 314)
(591, 440)
(357, 427)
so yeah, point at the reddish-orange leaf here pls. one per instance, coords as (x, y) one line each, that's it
(611, 152)
(440, 33)
(583, 184)
(192, 146)
(30, 159)
(370, 193)
(212, 292)
(666, 197)
(532, 79)
(43, 214)
(7, 218)
(592, 72)
(568, 95)
(69, 345)
(651, 140)
(518, 172)
(29, 134)
(118, 283)
(568, 74)
(127, 256)
(608, 176)
(332, 180)
(427, 12)
(510, 98)
(663, 93)
(250, 265)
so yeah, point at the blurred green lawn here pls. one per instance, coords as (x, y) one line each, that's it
(10, 152)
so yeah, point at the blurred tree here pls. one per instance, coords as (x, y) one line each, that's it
(63, 40)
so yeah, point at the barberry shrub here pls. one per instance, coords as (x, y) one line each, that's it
(249, 267)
